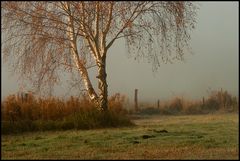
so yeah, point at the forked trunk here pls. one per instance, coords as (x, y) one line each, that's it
(80, 65)
(102, 85)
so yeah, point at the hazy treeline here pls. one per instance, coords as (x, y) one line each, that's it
(217, 101)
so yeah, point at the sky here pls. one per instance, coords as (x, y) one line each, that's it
(213, 65)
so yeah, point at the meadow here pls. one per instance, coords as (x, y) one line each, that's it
(208, 136)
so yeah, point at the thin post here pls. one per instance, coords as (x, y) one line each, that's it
(158, 103)
(136, 99)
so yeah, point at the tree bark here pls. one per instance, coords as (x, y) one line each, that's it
(102, 84)
(88, 85)
(82, 69)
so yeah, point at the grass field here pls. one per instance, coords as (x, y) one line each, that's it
(154, 137)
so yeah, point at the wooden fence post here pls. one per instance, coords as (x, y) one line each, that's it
(136, 100)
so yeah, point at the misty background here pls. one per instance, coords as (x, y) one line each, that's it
(212, 66)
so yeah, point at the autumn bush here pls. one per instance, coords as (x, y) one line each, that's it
(53, 113)
(35, 114)
(117, 103)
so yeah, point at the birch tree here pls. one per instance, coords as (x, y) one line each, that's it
(45, 38)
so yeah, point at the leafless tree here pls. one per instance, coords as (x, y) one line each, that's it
(45, 38)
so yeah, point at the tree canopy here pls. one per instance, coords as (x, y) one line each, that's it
(45, 38)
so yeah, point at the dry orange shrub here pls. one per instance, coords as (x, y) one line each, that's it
(13, 108)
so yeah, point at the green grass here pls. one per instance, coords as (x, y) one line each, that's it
(188, 137)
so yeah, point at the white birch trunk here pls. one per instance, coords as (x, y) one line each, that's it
(100, 101)
(102, 84)
(82, 69)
